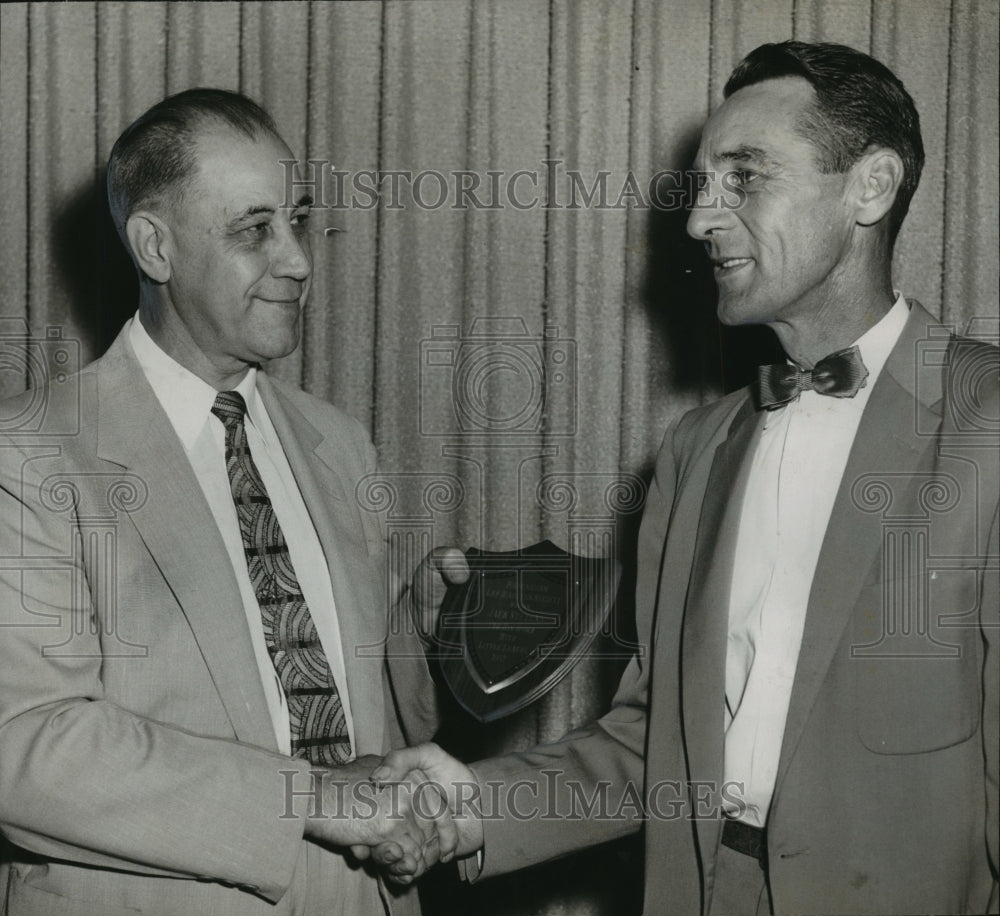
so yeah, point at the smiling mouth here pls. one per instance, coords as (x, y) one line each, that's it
(731, 263)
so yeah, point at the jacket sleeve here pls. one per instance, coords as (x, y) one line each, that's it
(594, 775)
(412, 700)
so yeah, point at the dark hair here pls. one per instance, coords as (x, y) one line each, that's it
(153, 159)
(860, 104)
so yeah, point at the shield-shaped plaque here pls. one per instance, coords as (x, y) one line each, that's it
(520, 624)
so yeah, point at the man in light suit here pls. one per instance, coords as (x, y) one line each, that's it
(193, 611)
(813, 725)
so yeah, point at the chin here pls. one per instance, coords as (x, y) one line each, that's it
(730, 315)
(733, 311)
(277, 345)
(282, 337)
(285, 350)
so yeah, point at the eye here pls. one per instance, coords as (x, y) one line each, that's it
(300, 220)
(743, 177)
(257, 231)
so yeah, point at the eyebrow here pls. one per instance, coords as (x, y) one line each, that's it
(248, 214)
(747, 154)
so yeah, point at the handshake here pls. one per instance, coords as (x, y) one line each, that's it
(410, 810)
(406, 812)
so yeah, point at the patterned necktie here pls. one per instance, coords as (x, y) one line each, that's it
(840, 375)
(318, 725)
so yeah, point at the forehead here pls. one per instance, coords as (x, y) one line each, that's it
(234, 171)
(761, 119)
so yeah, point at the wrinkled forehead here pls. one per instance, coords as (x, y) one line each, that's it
(757, 122)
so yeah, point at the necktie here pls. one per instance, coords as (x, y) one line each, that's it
(318, 725)
(840, 375)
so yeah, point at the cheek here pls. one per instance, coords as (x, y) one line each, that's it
(252, 261)
(802, 244)
(818, 245)
(240, 273)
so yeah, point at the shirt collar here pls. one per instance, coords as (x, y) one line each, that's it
(875, 345)
(877, 342)
(186, 398)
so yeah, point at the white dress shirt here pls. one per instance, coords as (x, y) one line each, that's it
(188, 402)
(793, 482)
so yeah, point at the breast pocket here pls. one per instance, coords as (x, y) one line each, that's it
(917, 657)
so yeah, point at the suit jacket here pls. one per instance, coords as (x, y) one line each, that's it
(139, 770)
(886, 793)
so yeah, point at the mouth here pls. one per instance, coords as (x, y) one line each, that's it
(726, 267)
(287, 302)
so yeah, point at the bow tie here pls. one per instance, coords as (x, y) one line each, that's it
(839, 375)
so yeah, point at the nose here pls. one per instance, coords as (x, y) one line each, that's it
(707, 213)
(293, 257)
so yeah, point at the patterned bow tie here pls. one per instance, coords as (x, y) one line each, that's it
(840, 375)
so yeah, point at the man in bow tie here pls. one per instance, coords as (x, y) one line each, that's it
(197, 660)
(812, 722)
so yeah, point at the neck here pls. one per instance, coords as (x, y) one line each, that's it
(172, 336)
(835, 322)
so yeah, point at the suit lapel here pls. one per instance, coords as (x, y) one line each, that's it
(706, 616)
(336, 518)
(886, 448)
(181, 535)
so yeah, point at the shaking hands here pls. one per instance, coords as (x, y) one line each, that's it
(453, 780)
(406, 813)
(403, 824)
(403, 817)
(456, 788)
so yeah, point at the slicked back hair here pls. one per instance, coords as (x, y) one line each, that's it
(860, 105)
(153, 161)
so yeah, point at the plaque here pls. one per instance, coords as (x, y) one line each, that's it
(519, 625)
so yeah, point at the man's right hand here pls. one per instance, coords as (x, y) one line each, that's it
(453, 779)
(405, 826)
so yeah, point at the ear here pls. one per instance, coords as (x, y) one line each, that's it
(148, 238)
(878, 175)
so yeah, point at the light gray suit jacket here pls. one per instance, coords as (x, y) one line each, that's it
(138, 765)
(886, 792)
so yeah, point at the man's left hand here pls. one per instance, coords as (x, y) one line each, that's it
(442, 567)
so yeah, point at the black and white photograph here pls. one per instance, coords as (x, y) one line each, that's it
(500, 457)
